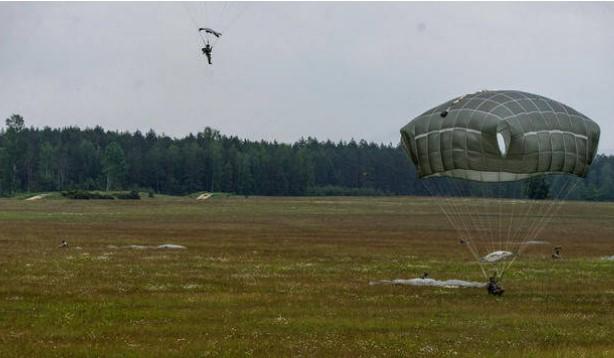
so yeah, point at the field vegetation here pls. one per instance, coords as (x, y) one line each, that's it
(266, 276)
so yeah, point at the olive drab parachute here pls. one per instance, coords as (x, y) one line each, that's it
(495, 136)
(502, 162)
(210, 31)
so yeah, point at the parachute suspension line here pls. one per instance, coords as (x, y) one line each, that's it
(526, 221)
(484, 198)
(470, 214)
(518, 237)
(546, 217)
(506, 207)
(474, 204)
(460, 197)
(519, 219)
(491, 202)
(450, 196)
(497, 204)
(470, 227)
(467, 236)
(447, 208)
(483, 219)
(516, 199)
(512, 202)
(530, 219)
(560, 203)
(478, 226)
(467, 215)
(554, 208)
(500, 202)
(494, 204)
(490, 215)
(461, 228)
(544, 208)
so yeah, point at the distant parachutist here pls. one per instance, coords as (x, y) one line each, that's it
(493, 286)
(207, 52)
(208, 49)
(557, 253)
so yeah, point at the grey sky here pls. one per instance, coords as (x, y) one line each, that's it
(286, 70)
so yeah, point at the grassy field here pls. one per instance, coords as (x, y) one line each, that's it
(290, 277)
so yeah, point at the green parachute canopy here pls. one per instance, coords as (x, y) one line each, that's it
(500, 136)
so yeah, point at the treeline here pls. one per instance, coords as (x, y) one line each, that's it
(48, 159)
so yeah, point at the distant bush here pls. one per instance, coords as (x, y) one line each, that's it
(331, 190)
(92, 195)
(131, 195)
(86, 195)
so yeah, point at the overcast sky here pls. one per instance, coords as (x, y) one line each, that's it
(289, 70)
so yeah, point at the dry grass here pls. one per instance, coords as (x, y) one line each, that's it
(289, 277)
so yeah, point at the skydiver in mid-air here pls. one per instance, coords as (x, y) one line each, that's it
(207, 52)
(493, 287)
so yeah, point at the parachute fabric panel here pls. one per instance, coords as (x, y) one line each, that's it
(497, 136)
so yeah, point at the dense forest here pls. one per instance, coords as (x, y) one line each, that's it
(39, 160)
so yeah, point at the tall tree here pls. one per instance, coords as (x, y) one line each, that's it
(114, 165)
(15, 122)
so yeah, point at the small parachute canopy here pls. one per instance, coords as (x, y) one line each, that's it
(500, 136)
(210, 31)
